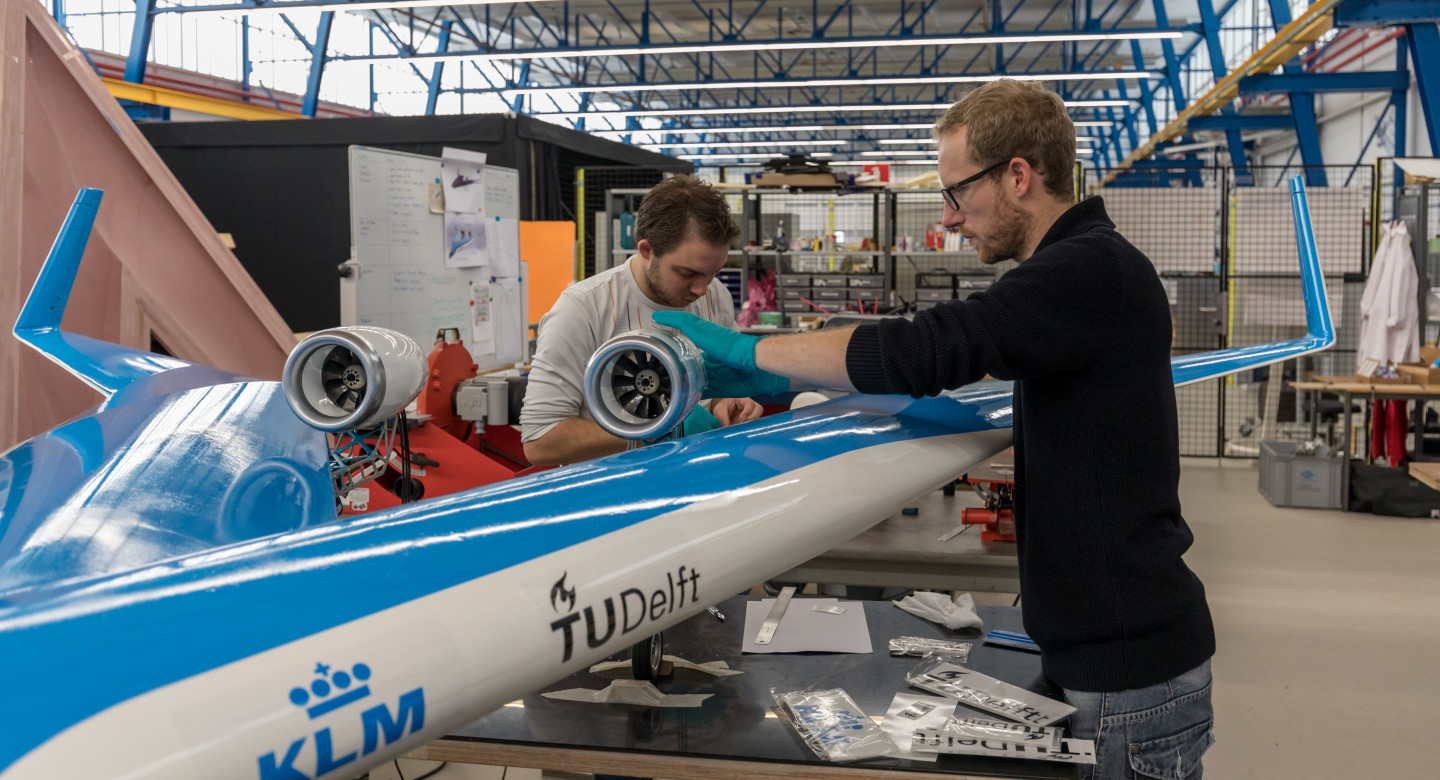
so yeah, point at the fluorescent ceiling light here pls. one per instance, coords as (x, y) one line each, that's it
(362, 5)
(773, 129)
(807, 83)
(1092, 124)
(720, 48)
(888, 152)
(735, 156)
(1086, 139)
(683, 112)
(733, 144)
(904, 141)
(881, 162)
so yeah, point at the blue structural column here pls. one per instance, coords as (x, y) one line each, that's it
(57, 10)
(1302, 110)
(439, 70)
(1423, 39)
(1172, 76)
(317, 63)
(140, 40)
(521, 81)
(1211, 23)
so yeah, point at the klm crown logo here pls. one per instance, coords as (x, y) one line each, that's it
(340, 684)
(340, 740)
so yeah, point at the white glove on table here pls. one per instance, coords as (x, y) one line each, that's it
(938, 608)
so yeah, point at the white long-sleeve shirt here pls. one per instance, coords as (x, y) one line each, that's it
(588, 314)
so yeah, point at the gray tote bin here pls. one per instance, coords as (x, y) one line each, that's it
(1287, 479)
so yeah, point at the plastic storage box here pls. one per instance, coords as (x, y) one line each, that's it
(1287, 479)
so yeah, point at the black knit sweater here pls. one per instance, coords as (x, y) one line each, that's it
(1083, 327)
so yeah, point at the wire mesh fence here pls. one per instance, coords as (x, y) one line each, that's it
(1225, 249)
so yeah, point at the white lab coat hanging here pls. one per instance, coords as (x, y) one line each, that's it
(1389, 310)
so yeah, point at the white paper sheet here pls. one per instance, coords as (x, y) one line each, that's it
(909, 712)
(507, 315)
(630, 692)
(802, 630)
(462, 173)
(713, 668)
(482, 323)
(505, 247)
(465, 243)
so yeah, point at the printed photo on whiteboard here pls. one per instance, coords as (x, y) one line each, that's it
(482, 326)
(465, 240)
(462, 174)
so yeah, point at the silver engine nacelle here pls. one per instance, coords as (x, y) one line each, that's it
(353, 378)
(643, 383)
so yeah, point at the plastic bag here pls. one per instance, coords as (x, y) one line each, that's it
(942, 674)
(920, 646)
(833, 725)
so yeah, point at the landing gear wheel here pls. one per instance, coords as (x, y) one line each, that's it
(410, 489)
(645, 658)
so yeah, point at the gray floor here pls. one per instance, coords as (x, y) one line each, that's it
(1329, 634)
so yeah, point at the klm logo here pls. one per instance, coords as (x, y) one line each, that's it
(627, 610)
(332, 692)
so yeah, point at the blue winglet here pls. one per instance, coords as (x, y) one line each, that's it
(106, 367)
(1320, 332)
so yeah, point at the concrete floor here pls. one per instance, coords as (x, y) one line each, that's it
(1329, 636)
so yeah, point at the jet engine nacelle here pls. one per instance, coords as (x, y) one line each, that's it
(353, 378)
(641, 384)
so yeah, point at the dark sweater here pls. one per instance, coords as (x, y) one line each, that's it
(1083, 327)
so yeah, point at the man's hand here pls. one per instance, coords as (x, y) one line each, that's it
(730, 370)
(733, 411)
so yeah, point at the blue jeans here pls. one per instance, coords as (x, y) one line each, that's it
(1155, 732)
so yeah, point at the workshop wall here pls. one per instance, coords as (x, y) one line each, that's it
(281, 188)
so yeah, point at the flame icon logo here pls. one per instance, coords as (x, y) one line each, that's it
(559, 591)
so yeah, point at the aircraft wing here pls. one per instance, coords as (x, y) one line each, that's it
(319, 651)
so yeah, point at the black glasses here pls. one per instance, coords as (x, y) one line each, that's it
(952, 193)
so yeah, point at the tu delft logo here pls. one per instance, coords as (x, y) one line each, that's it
(324, 700)
(627, 610)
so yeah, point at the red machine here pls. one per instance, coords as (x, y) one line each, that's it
(998, 516)
(450, 364)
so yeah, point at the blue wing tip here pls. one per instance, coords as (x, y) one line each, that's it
(45, 305)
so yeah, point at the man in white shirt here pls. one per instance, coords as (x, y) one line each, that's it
(683, 231)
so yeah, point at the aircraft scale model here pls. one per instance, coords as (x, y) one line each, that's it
(179, 599)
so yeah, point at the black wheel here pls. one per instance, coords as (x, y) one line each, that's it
(645, 658)
(410, 489)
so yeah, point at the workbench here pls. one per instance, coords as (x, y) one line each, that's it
(736, 732)
(1347, 387)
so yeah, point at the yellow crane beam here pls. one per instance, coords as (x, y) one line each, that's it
(1308, 28)
(174, 98)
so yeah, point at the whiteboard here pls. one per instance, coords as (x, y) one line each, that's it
(398, 279)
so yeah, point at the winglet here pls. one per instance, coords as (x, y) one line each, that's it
(106, 367)
(1320, 331)
(1317, 305)
(46, 304)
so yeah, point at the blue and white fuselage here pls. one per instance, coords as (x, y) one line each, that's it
(178, 598)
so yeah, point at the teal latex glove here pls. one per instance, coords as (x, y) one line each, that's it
(730, 370)
(730, 347)
(699, 420)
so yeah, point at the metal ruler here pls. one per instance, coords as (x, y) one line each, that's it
(772, 620)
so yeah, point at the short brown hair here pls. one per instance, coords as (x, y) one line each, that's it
(679, 207)
(1006, 119)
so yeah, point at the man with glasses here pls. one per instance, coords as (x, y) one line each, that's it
(1082, 325)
